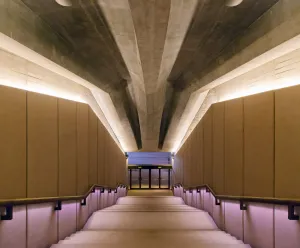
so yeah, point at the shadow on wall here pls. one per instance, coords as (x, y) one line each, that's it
(39, 226)
(261, 225)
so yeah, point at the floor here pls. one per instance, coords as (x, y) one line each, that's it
(153, 192)
(150, 221)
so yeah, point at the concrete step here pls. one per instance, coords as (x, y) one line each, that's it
(167, 245)
(154, 237)
(160, 222)
(156, 200)
(152, 207)
(150, 221)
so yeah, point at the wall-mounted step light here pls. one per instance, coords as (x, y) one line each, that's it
(83, 202)
(8, 214)
(58, 206)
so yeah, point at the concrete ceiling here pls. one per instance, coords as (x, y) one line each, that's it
(148, 55)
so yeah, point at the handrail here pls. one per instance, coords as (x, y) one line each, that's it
(9, 203)
(291, 203)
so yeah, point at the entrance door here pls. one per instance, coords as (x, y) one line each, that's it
(145, 173)
(149, 178)
(164, 178)
(134, 178)
(154, 178)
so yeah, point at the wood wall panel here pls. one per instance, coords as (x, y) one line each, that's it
(187, 163)
(200, 151)
(259, 145)
(258, 226)
(67, 147)
(93, 154)
(13, 143)
(218, 147)
(194, 157)
(42, 146)
(82, 148)
(233, 223)
(234, 147)
(110, 164)
(287, 142)
(208, 165)
(67, 220)
(100, 159)
(13, 232)
(42, 226)
(286, 232)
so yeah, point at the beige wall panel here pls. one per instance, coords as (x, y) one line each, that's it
(93, 202)
(82, 214)
(259, 145)
(110, 165)
(12, 143)
(218, 147)
(287, 232)
(258, 226)
(13, 232)
(177, 168)
(233, 219)
(200, 152)
(42, 146)
(287, 142)
(67, 220)
(93, 137)
(121, 168)
(187, 163)
(207, 145)
(67, 147)
(234, 147)
(194, 158)
(208, 202)
(42, 228)
(218, 215)
(82, 148)
(100, 160)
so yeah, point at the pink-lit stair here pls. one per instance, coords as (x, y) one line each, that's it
(158, 221)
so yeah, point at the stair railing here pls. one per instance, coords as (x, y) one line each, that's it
(243, 200)
(57, 200)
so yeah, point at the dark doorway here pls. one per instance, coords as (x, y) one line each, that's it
(149, 177)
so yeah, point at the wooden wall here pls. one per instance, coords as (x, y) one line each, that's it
(52, 147)
(246, 146)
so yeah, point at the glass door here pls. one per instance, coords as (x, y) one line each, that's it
(154, 178)
(149, 178)
(164, 178)
(134, 178)
(145, 173)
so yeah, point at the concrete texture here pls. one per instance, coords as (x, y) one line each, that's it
(149, 58)
(152, 221)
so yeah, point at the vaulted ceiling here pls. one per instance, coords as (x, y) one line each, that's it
(148, 55)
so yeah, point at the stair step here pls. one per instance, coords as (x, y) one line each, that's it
(168, 245)
(160, 222)
(154, 237)
(150, 221)
(157, 200)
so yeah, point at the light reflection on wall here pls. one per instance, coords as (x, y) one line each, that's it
(25, 69)
(42, 89)
(279, 73)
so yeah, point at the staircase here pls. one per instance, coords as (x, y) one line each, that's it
(150, 222)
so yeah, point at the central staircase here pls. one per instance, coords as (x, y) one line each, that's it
(150, 222)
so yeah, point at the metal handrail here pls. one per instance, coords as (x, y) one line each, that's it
(291, 203)
(9, 203)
